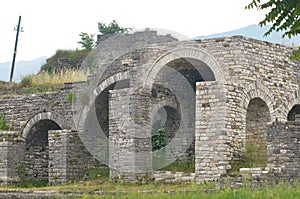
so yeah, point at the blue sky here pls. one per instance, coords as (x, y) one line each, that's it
(55, 24)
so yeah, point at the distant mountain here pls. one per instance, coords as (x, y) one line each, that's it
(257, 32)
(22, 68)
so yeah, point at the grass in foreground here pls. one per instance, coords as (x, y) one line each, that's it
(91, 189)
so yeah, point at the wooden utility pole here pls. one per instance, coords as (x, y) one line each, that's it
(15, 50)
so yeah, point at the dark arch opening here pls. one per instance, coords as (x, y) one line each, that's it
(166, 122)
(293, 112)
(102, 104)
(180, 76)
(193, 70)
(257, 118)
(97, 124)
(37, 150)
(38, 134)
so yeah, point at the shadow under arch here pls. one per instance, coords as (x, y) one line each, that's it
(52, 116)
(179, 70)
(257, 113)
(36, 154)
(93, 121)
(285, 109)
(257, 119)
(186, 53)
(295, 110)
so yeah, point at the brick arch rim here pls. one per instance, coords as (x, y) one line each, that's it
(163, 104)
(108, 81)
(265, 95)
(290, 105)
(96, 91)
(49, 115)
(184, 52)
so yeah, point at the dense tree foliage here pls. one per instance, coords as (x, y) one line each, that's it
(284, 15)
(87, 41)
(111, 28)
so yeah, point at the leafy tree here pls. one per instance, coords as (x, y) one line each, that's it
(284, 16)
(87, 41)
(111, 28)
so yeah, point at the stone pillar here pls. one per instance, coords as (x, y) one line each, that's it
(130, 157)
(11, 156)
(211, 150)
(68, 157)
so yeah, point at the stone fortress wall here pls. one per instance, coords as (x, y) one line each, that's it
(214, 96)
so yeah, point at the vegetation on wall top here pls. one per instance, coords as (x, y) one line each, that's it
(283, 15)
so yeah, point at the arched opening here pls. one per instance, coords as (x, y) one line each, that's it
(257, 118)
(96, 125)
(180, 77)
(102, 104)
(193, 70)
(293, 112)
(36, 158)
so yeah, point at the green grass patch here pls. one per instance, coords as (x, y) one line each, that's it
(254, 156)
(91, 189)
(102, 173)
(3, 123)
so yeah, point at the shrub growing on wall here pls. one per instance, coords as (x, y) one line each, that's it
(3, 124)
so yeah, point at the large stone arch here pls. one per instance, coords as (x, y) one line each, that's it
(258, 90)
(110, 80)
(95, 138)
(183, 52)
(194, 134)
(36, 154)
(258, 104)
(97, 91)
(53, 116)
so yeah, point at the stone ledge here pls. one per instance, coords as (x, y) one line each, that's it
(168, 176)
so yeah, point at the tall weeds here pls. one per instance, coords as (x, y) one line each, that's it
(54, 80)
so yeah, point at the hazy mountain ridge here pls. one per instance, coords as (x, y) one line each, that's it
(22, 68)
(257, 32)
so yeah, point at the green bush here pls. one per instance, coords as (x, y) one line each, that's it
(159, 139)
(3, 124)
(70, 97)
(49, 69)
(33, 90)
(26, 81)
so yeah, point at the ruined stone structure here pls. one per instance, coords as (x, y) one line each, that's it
(213, 97)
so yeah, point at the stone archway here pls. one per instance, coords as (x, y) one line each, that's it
(57, 118)
(202, 71)
(257, 119)
(258, 90)
(295, 110)
(93, 123)
(257, 114)
(36, 156)
(184, 52)
(292, 102)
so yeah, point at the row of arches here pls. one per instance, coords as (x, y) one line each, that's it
(179, 71)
